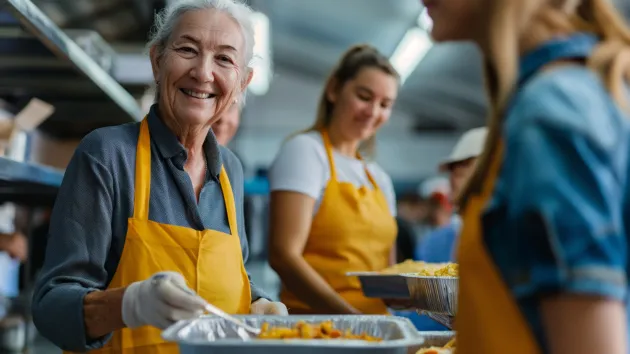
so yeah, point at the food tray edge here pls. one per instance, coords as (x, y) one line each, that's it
(411, 337)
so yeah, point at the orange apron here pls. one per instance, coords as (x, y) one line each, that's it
(210, 261)
(353, 230)
(488, 318)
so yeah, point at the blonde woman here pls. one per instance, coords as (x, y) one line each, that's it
(544, 248)
(332, 211)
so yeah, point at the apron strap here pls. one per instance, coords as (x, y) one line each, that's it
(329, 152)
(331, 161)
(369, 175)
(142, 193)
(142, 186)
(228, 198)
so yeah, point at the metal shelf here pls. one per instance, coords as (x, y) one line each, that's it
(37, 59)
(28, 184)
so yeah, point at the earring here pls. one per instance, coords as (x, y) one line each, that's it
(235, 100)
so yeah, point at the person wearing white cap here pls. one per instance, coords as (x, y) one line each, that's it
(438, 245)
(461, 163)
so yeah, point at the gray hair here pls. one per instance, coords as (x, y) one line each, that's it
(166, 20)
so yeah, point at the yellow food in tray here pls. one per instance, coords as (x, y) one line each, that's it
(303, 330)
(408, 266)
(448, 270)
(436, 350)
(424, 268)
(449, 348)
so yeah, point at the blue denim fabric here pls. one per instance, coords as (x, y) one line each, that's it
(557, 220)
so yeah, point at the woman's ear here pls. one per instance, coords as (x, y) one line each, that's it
(248, 79)
(332, 91)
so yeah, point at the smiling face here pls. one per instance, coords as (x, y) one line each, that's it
(363, 104)
(201, 68)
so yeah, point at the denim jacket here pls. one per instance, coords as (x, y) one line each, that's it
(558, 217)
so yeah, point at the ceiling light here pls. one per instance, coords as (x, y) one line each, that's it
(410, 51)
(262, 63)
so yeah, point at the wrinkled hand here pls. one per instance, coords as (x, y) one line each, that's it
(160, 301)
(266, 307)
(15, 245)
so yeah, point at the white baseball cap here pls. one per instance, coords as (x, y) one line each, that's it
(469, 145)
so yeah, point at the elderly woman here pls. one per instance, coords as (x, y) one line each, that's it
(148, 223)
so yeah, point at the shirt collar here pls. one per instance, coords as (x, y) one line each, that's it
(170, 148)
(576, 46)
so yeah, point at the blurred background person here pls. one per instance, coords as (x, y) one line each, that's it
(412, 210)
(333, 212)
(412, 207)
(226, 127)
(225, 130)
(13, 252)
(420, 212)
(544, 246)
(439, 212)
(436, 193)
(438, 245)
(15, 245)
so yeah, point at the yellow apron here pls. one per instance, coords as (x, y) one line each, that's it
(353, 230)
(210, 261)
(488, 318)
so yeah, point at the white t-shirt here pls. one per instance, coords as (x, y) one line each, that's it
(302, 166)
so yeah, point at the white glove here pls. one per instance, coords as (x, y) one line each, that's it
(266, 307)
(160, 301)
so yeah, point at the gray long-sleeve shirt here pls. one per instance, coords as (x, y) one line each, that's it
(89, 220)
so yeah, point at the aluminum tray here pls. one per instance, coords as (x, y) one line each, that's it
(445, 320)
(434, 294)
(384, 286)
(433, 339)
(212, 335)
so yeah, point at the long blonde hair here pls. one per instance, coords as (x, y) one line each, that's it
(352, 61)
(509, 20)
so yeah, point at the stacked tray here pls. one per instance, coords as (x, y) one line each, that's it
(211, 334)
(433, 339)
(437, 295)
(384, 286)
(430, 295)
